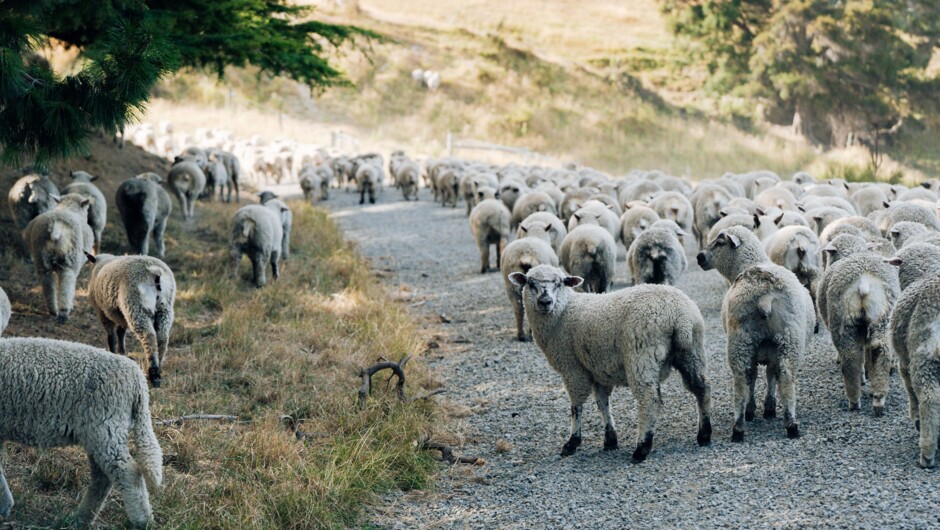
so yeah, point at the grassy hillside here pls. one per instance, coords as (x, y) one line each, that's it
(292, 348)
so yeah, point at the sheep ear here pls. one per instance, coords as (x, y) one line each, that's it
(896, 261)
(778, 219)
(759, 211)
(925, 185)
(681, 233)
(735, 240)
(886, 204)
(756, 220)
(85, 202)
(524, 229)
(91, 257)
(830, 249)
(93, 177)
(72, 173)
(497, 195)
(801, 208)
(56, 198)
(576, 216)
(518, 279)
(572, 281)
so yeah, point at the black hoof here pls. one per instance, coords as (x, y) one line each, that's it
(361, 201)
(853, 407)
(770, 413)
(571, 446)
(705, 433)
(878, 411)
(154, 375)
(917, 425)
(643, 450)
(816, 329)
(522, 338)
(62, 318)
(737, 436)
(371, 200)
(749, 415)
(793, 432)
(610, 438)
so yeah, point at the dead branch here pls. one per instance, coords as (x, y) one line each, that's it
(447, 453)
(293, 425)
(427, 395)
(181, 419)
(398, 371)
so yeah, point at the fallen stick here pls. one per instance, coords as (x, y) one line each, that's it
(181, 419)
(447, 454)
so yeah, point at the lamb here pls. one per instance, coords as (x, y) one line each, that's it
(521, 256)
(633, 337)
(58, 241)
(528, 204)
(55, 393)
(634, 222)
(30, 197)
(855, 298)
(257, 231)
(367, 178)
(5, 311)
(187, 181)
(796, 248)
(144, 207)
(136, 293)
(556, 229)
(97, 210)
(489, 223)
(590, 252)
(769, 319)
(657, 255)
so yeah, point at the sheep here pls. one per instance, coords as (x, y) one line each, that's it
(283, 213)
(520, 256)
(55, 393)
(257, 231)
(904, 232)
(769, 319)
(707, 202)
(724, 223)
(633, 337)
(58, 241)
(510, 189)
(196, 155)
(789, 218)
(187, 181)
(534, 201)
(634, 222)
(448, 186)
(310, 185)
(829, 202)
(30, 197)
(407, 179)
(870, 199)
(657, 255)
(5, 311)
(914, 194)
(489, 223)
(144, 207)
(233, 169)
(368, 179)
(675, 206)
(864, 226)
(136, 293)
(776, 197)
(855, 297)
(556, 229)
(842, 246)
(596, 213)
(740, 205)
(642, 190)
(764, 225)
(216, 177)
(590, 252)
(905, 211)
(97, 209)
(796, 248)
(820, 218)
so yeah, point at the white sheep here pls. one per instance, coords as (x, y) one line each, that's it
(633, 337)
(257, 231)
(596, 213)
(905, 211)
(144, 207)
(55, 393)
(520, 256)
(510, 189)
(769, 319)
(556, 228)
(187, 181)
(97, 209)
(590, 252)
(904, 232)
(285, 214)
(855, 297)
(368, 177)
(796, 248)
(675, 206)
(528, 204)
(707, 200)
(870, 199)
(407, 177)
(29, 197)
(915, 337)
(489, 223)
(657, 255)
(634, 222)
(216, 178)
(134, 293)
(57, 241)
(5, 311)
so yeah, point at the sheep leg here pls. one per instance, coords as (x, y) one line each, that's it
(929, 424)
(121, 335)
(275, 265)
(602, 397)
(371, 194)
(519, 312)
(184, 208)
(94, 497)
(66, 293)
(743, 383)
(880, 362)
(6, 498)
(770, 401)
(484, 256)
(694, 379)
(142, 326)
(121, 469)
(192, 207)
(751, 408)
(500, 247)
(159, 228)
(258, 263)
(579, 389)
(912, 400)
(787, 383)
(851, 364)
(362, 195)
(236, 259)
(649, 402)
(49, 290)
(163, 321)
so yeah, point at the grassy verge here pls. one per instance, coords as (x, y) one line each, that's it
(292, 348)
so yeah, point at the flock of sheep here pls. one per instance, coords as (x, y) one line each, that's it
(863, 258)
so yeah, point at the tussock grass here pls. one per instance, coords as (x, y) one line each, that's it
(293, 348)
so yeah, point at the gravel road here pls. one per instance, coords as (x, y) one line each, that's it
(847, 470)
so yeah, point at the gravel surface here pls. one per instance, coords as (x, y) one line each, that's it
(848, 469)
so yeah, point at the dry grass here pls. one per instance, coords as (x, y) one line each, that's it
(292, 348)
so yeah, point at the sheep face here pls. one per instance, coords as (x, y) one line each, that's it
(718, 250)
(547, 286)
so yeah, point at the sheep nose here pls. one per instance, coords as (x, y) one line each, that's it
(701, 259)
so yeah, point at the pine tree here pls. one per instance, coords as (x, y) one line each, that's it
(126, 47)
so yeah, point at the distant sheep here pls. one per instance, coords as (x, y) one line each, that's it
(489, 223)
(187, 181)
(556, 229)
(97, 210)
(521, 256)
(590, 252)
(657, 255)
(257, 231)
(29, 197)
(144, 207)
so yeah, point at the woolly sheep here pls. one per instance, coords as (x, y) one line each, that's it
(144, 207)
(596, 213)
(187, 181)
(904, 232)
(233, 169)
(796, 248)
(55, 393)
(510, 189)
(789, 218)
(855, 297)
(740, 205)
(448, 186)
(57, 241)
(520, 256)
(707, 202)
(30, 197)
(871, 199)
(135, 293)
(286, 216)
(864, 225)
(5, 310)
(769, 319)
(829, 202)
(724, 223)
(776, 197)
(633, 337)
(532, 202)
(97, 209)
(634, 222)
(764, 226)
(915, 338)
(657, 255)
(311, 185)
(842, 246)
(407, 178)
(556, 229)
(642, 190)
(257, 231)
(216, 178)
(367, 179)
(905, 211)
(489, 223)
(820, 218)
(914, 194)
(590, 252)
(674, 206)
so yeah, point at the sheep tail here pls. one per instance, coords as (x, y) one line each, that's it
(149, 455)
(58, 231)
(765, 304)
